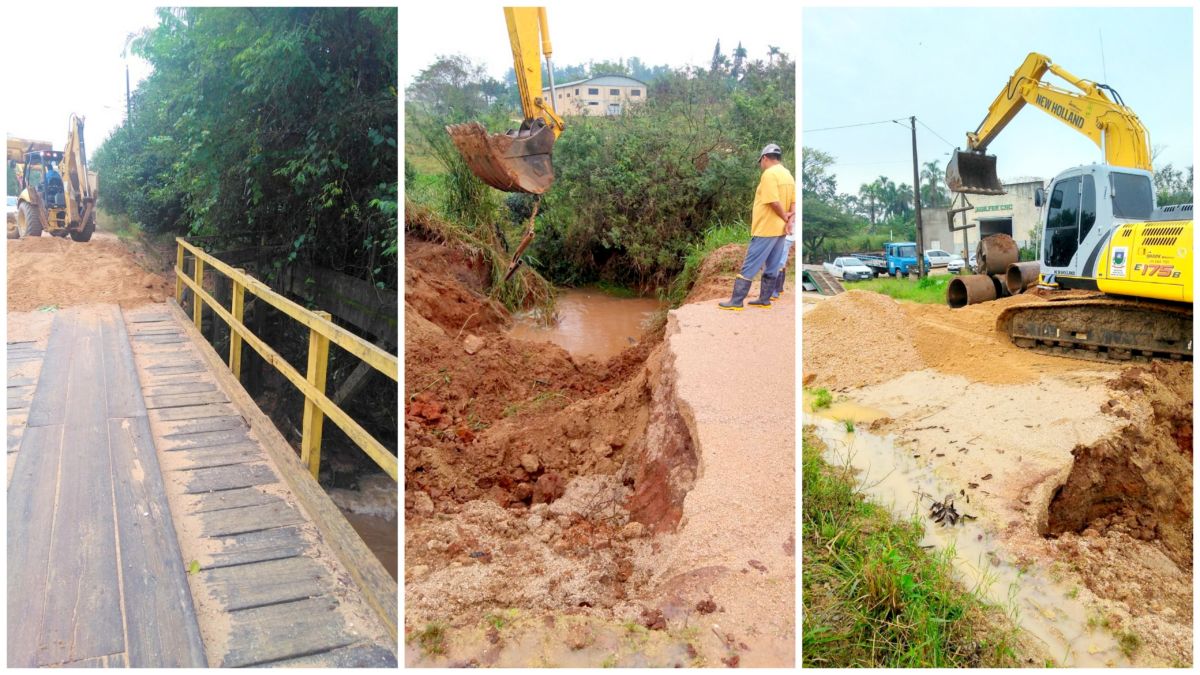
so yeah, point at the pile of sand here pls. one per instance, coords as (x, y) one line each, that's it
(47, 271)
(858, 338)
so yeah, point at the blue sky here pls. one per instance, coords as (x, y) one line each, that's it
(946, 65)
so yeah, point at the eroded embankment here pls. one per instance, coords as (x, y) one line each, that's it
(1080, 470)
(533, 480)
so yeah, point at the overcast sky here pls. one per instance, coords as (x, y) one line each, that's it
(669, 33)
(80, 69)
(946, 65)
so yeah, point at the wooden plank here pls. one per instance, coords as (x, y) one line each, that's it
(191, 412)
(228, 522)
(362, 655)
(204, 439)
(273, 544)
(378, 587)
(115, 661)
(181, 400)
(30, 521)
(22, 382)
(193, 387)
(228, 455)
(227, 477)
(277, 632)
(265, 583)
(203, 425)
(228, 499)
(48, 408)
(82, 617)
(123, 392)
(160, 619)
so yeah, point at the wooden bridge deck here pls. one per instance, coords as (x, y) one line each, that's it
(149, 522)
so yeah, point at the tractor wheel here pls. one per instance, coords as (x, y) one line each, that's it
(85, 234)
(32, 220)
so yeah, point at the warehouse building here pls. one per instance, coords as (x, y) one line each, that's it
(1012, 213)
(602, 95)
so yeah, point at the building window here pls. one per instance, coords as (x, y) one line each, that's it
(614, 108)
(614, 92)
(593, 91)
(593, 103)
(635, 92)
(576, 91)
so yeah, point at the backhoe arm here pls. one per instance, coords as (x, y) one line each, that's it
(1110, 124)
(527, 28)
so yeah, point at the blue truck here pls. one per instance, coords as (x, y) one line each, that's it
(896, 259)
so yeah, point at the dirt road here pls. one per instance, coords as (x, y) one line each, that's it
(1077, 470)
(49, 271)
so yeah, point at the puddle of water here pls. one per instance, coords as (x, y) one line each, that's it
(379, 534)
(1043, 607)
(589, 323)
(842, 410)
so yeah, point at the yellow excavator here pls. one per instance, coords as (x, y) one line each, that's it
(58, 193)
(1116, 268)
(519, 159)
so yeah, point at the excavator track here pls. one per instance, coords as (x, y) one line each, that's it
(1101, 329)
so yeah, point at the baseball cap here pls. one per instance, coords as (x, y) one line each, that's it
(771, 149)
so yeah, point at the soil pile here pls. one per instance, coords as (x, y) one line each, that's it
(52, 271)
(714, 278)
(857, 338)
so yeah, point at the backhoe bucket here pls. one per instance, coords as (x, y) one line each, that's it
(973, 173)
(518, 161)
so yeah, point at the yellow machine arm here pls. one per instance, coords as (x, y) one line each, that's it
(80, 200)
(1111, 125)
(519, 160)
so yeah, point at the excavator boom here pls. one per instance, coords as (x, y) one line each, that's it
(518, 160)
(1110, 124)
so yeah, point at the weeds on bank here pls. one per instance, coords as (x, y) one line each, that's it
(930, 290)
(432, 638)
(821, 398)
(715, 237)
(873, 597)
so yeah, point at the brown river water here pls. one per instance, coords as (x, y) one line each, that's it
(590, 323)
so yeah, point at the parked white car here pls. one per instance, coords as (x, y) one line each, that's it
(937, 257)
(956, 264)
(849, 268)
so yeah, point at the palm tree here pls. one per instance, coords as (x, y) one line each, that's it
(932, 192)
(739, 58)
(772, 52)
(868, 199)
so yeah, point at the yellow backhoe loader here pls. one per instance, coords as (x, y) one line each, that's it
(58, 193)
(519, 159)
(1127, 263)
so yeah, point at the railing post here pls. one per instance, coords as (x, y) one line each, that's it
(314, 419)
(178, 271)
(197, 303)
(235, 338)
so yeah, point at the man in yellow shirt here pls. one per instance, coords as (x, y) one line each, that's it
(774, 204)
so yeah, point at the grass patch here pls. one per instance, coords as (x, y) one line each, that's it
(821, 398)
(1129, 643)
(873, 597)
(499, 620)
(122, 226)
(930, 290)
(432, 638)
(848, 425)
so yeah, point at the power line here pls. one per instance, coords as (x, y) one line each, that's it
(847, 126)
(935, 133)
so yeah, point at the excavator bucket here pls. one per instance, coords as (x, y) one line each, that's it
(973, 173)
(518, 161)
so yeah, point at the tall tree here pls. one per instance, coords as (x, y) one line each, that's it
(933, 190)
(718, 60)
(739, 58)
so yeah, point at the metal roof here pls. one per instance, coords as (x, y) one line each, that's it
(603, 81)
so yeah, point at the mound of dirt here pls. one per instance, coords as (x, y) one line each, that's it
(857, 338)
(1138, 481)
(714, 279)
(445, 286)
(52, 271)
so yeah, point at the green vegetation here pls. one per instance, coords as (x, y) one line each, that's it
(848, 425)
(930, 290)
(279, 123)
(873, 597)
(1129, 643)
(821, 398)
(499, 620)
(714, 238)
(635, 193)
(431, 639)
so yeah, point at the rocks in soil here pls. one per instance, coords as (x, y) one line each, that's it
(472, 344)
(423, 504)
(530, 463)
(548, 488)
(706, 606)
(654, 619)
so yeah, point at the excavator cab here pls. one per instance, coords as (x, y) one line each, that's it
(518, 160)
(973, 173)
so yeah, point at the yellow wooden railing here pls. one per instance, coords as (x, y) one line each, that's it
(321, 331)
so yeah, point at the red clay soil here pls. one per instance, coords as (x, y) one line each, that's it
(513, 421)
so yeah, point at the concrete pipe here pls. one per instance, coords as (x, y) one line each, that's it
(1022, 275)
(1001, 287)
(995, 253)
(970, 290)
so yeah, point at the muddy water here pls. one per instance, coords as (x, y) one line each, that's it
(1045, 609)
(379, 534)
(589, 323)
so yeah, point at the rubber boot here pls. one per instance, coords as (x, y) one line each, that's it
(741, 288)
(780, 277)
(765, 287)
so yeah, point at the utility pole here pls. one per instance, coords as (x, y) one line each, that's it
(912, 121)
